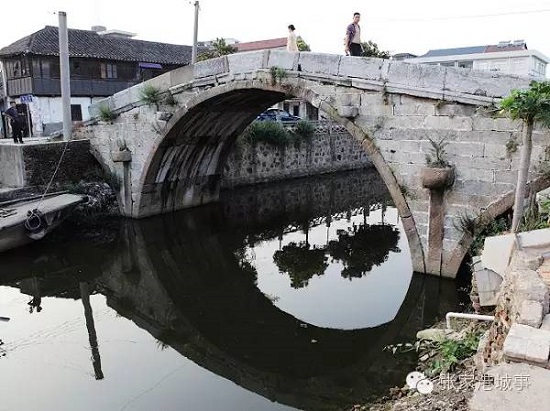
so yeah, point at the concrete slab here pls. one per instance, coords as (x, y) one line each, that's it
(488, 285)
(517, 387)
(536, 238)
(497, 252)
(530, 313)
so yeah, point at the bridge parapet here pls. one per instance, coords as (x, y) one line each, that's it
(451, 84)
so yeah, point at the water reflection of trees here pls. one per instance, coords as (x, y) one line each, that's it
(362, 247)
(359, 248)
(301, 262)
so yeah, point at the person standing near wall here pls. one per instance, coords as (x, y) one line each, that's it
(291, 41)
(352, 41)
(17, 123)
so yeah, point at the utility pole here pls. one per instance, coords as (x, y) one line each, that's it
(65, 75)
(195, 34)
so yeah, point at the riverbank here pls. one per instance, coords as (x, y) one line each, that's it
(446, 369)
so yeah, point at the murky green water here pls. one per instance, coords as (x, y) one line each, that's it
(280, 297)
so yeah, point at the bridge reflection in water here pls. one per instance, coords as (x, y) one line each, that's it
(191, 281)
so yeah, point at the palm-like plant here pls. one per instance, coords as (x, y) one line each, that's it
(219, 48)
(530, 106)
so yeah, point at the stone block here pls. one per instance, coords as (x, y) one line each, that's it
(545, 323)
(161, 82)
(481, 83)
(525, 348)
(535, 238)
(348, 111)
(488, 285)
(211, 67)
(514, 348)
(497, 251)
(121, 156)
(529, 286)
(284, 59)
(326, 64)
(365, 68)
(528, 260)
(529, 333)
(530, 313)
(417, 76)
(181, 75)
(247, 62)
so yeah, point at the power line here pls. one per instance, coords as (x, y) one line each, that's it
(475, 16)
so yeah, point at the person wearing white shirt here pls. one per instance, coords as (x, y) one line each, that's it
(291, 41)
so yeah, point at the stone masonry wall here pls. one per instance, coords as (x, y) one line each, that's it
(332, 148)
(30, 165)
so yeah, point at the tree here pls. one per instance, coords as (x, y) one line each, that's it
(364, 247)
(530, 106)
(302, 45)
(301, 262)
(219, 48)
(370, 49)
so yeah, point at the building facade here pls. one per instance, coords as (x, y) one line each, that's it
(102, 62)
(510, 57)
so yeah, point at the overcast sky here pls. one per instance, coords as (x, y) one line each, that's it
(396, 26)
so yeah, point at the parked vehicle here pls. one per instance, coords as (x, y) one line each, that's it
(275, 114)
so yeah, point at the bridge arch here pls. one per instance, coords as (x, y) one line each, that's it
(184, 167)
(392, 108)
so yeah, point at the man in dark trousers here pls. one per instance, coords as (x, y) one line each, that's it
(352, 41)
(16, 122)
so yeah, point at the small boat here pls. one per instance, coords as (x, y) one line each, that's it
(26, 221)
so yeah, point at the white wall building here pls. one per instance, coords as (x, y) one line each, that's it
(510, 57)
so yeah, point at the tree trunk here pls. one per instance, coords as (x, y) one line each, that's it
(523, 174)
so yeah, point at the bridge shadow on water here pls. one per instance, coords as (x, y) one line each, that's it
(184, 278)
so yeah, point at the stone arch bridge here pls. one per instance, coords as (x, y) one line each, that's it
(170, 155)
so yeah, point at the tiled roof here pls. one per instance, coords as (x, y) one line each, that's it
(87, 43)
(262, 44)
(507, 47)
(476, 49)
(454, 51)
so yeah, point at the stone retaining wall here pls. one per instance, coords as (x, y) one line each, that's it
(28, 165)
(332, 148)
(521, 331)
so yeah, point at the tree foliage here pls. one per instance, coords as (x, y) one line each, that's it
(302, 45)
(219, 48)
(530, 106)
(370, 49)
(363, 247)
(301, 262)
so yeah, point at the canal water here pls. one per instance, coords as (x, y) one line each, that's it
(281, 297)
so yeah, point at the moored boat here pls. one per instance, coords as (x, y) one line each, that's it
(27, 221)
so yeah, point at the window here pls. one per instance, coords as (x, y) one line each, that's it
(76, 68)
(466, 64)
(76, 112)
(108, 70)
(15, 69)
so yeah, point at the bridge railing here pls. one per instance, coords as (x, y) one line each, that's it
(321, 126)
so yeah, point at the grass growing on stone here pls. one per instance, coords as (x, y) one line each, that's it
(150, 94)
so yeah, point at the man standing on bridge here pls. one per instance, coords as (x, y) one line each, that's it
(352, 41)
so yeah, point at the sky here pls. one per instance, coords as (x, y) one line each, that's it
(396, 26)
